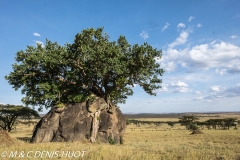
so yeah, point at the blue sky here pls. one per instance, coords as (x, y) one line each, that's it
(200, 41)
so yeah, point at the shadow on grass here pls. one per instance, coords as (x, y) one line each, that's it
(25, 139)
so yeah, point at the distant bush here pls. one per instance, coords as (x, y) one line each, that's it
(188, 121)
(193, 127)
(220, 123)
(171, 123)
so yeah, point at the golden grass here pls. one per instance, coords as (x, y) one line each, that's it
(5, 139)
(146, 142)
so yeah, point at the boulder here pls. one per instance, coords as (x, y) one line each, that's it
(74, 122)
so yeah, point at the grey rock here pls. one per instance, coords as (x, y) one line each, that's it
(74, 123)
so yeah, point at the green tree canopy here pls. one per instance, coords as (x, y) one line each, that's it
(90, 65)
(188, 121)
(10, 113)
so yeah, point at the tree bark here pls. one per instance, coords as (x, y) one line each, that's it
(95, 126)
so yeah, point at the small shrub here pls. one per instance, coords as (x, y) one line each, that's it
(171, 124)
(98, 118)
(193, 127)
(111, 140)
(121, 140)
(127, 122)
(60, 105)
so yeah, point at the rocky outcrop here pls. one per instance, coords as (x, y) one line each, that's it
(76, 122)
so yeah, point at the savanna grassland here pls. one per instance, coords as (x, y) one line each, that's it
(141, 142)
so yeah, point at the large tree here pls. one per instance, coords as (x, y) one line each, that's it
(92, 65)
(9, 115)
(189, 122)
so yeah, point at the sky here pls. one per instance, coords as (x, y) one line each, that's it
(200, 43)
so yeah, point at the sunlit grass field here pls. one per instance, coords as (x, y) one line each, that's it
(142, 142)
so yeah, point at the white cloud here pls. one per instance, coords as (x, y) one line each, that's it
(191, 18)
(223, 57)
(222, 54)
(205, 77)
(174, 87)
(234, 36)
(180, 89)
(218, 94)
(198, 98)
(36, 34)
(187, 78)
(181, 25)
(165, 27)
(179, 84)
(197, 92)
(164, 88)
(169, 66)
(233, 91)
(199, 25)
(144, 34)
(214, 88)
(235, 68)
(180, 40)
(39, 42)
(172, 54)
(221, 71)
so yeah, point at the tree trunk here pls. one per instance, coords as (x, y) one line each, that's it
(95, 126)
(9, 128)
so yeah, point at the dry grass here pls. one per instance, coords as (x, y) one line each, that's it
(5, 139)
(146, 142)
